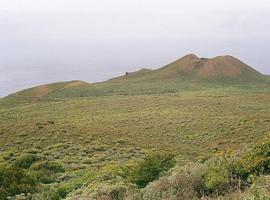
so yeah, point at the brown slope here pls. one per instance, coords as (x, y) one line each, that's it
(221, 66)
(191, 67)
(224, 66)
(44, 90)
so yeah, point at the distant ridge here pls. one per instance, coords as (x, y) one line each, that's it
(193, 67)
(187, 73)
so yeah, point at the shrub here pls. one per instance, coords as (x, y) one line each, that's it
(26, 160)
(159, 189)
(188, 186)
(14, 181)
(254, 162)
(46, 172)
(51, 166)
(63, 190)
(115, 192)
(150, 168)
(60, 193)
(223, 173)
(184, 183)
(259, 190)
(217, 179)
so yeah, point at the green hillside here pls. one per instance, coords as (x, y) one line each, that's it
(92, 138)
(194, 129)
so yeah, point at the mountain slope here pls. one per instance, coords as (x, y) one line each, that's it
(47, 89)
(42, 92)
(187, 73)
(191, 67)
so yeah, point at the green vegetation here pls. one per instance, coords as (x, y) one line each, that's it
(150, 169)
(77, 147)
(47, 172)
(26, 160)
(216, 178)
(255, 162)
(15, 181)
(107, 143)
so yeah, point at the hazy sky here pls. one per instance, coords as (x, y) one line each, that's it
(45, 41)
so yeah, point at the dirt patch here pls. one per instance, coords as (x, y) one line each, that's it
(42, 90)
(75, 84)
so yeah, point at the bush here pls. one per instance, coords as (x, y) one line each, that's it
(221, 175)
(115, 192)
(188, 186)
(50, 166)
(15, 181)
(254, 162)
(160, 189)
(150, 169)
(63, 190)
(46, 172)
(217, 178)
(60, 193)
(224, 173)
(26, 160)
(259, 190)
(184, 183)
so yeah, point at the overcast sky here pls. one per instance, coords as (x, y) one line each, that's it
(45, 41)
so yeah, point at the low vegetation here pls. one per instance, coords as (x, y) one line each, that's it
(149, 169)
(220, 177)
(128, 139)
(26, 160)
(14, 181)
(79, 148)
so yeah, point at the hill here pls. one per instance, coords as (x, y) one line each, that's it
(41, 93)
(183, 131)
(45, 90)
(192, 67)
(187, 73)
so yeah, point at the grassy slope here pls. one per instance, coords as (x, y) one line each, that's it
(267, 77)
(99, 134)
(116, 122)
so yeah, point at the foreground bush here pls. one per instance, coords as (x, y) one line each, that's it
(254, 162)
(218, 178)
(189, 184)
(150, 168)
(260, 189)
(14, 181)
(242, 176)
